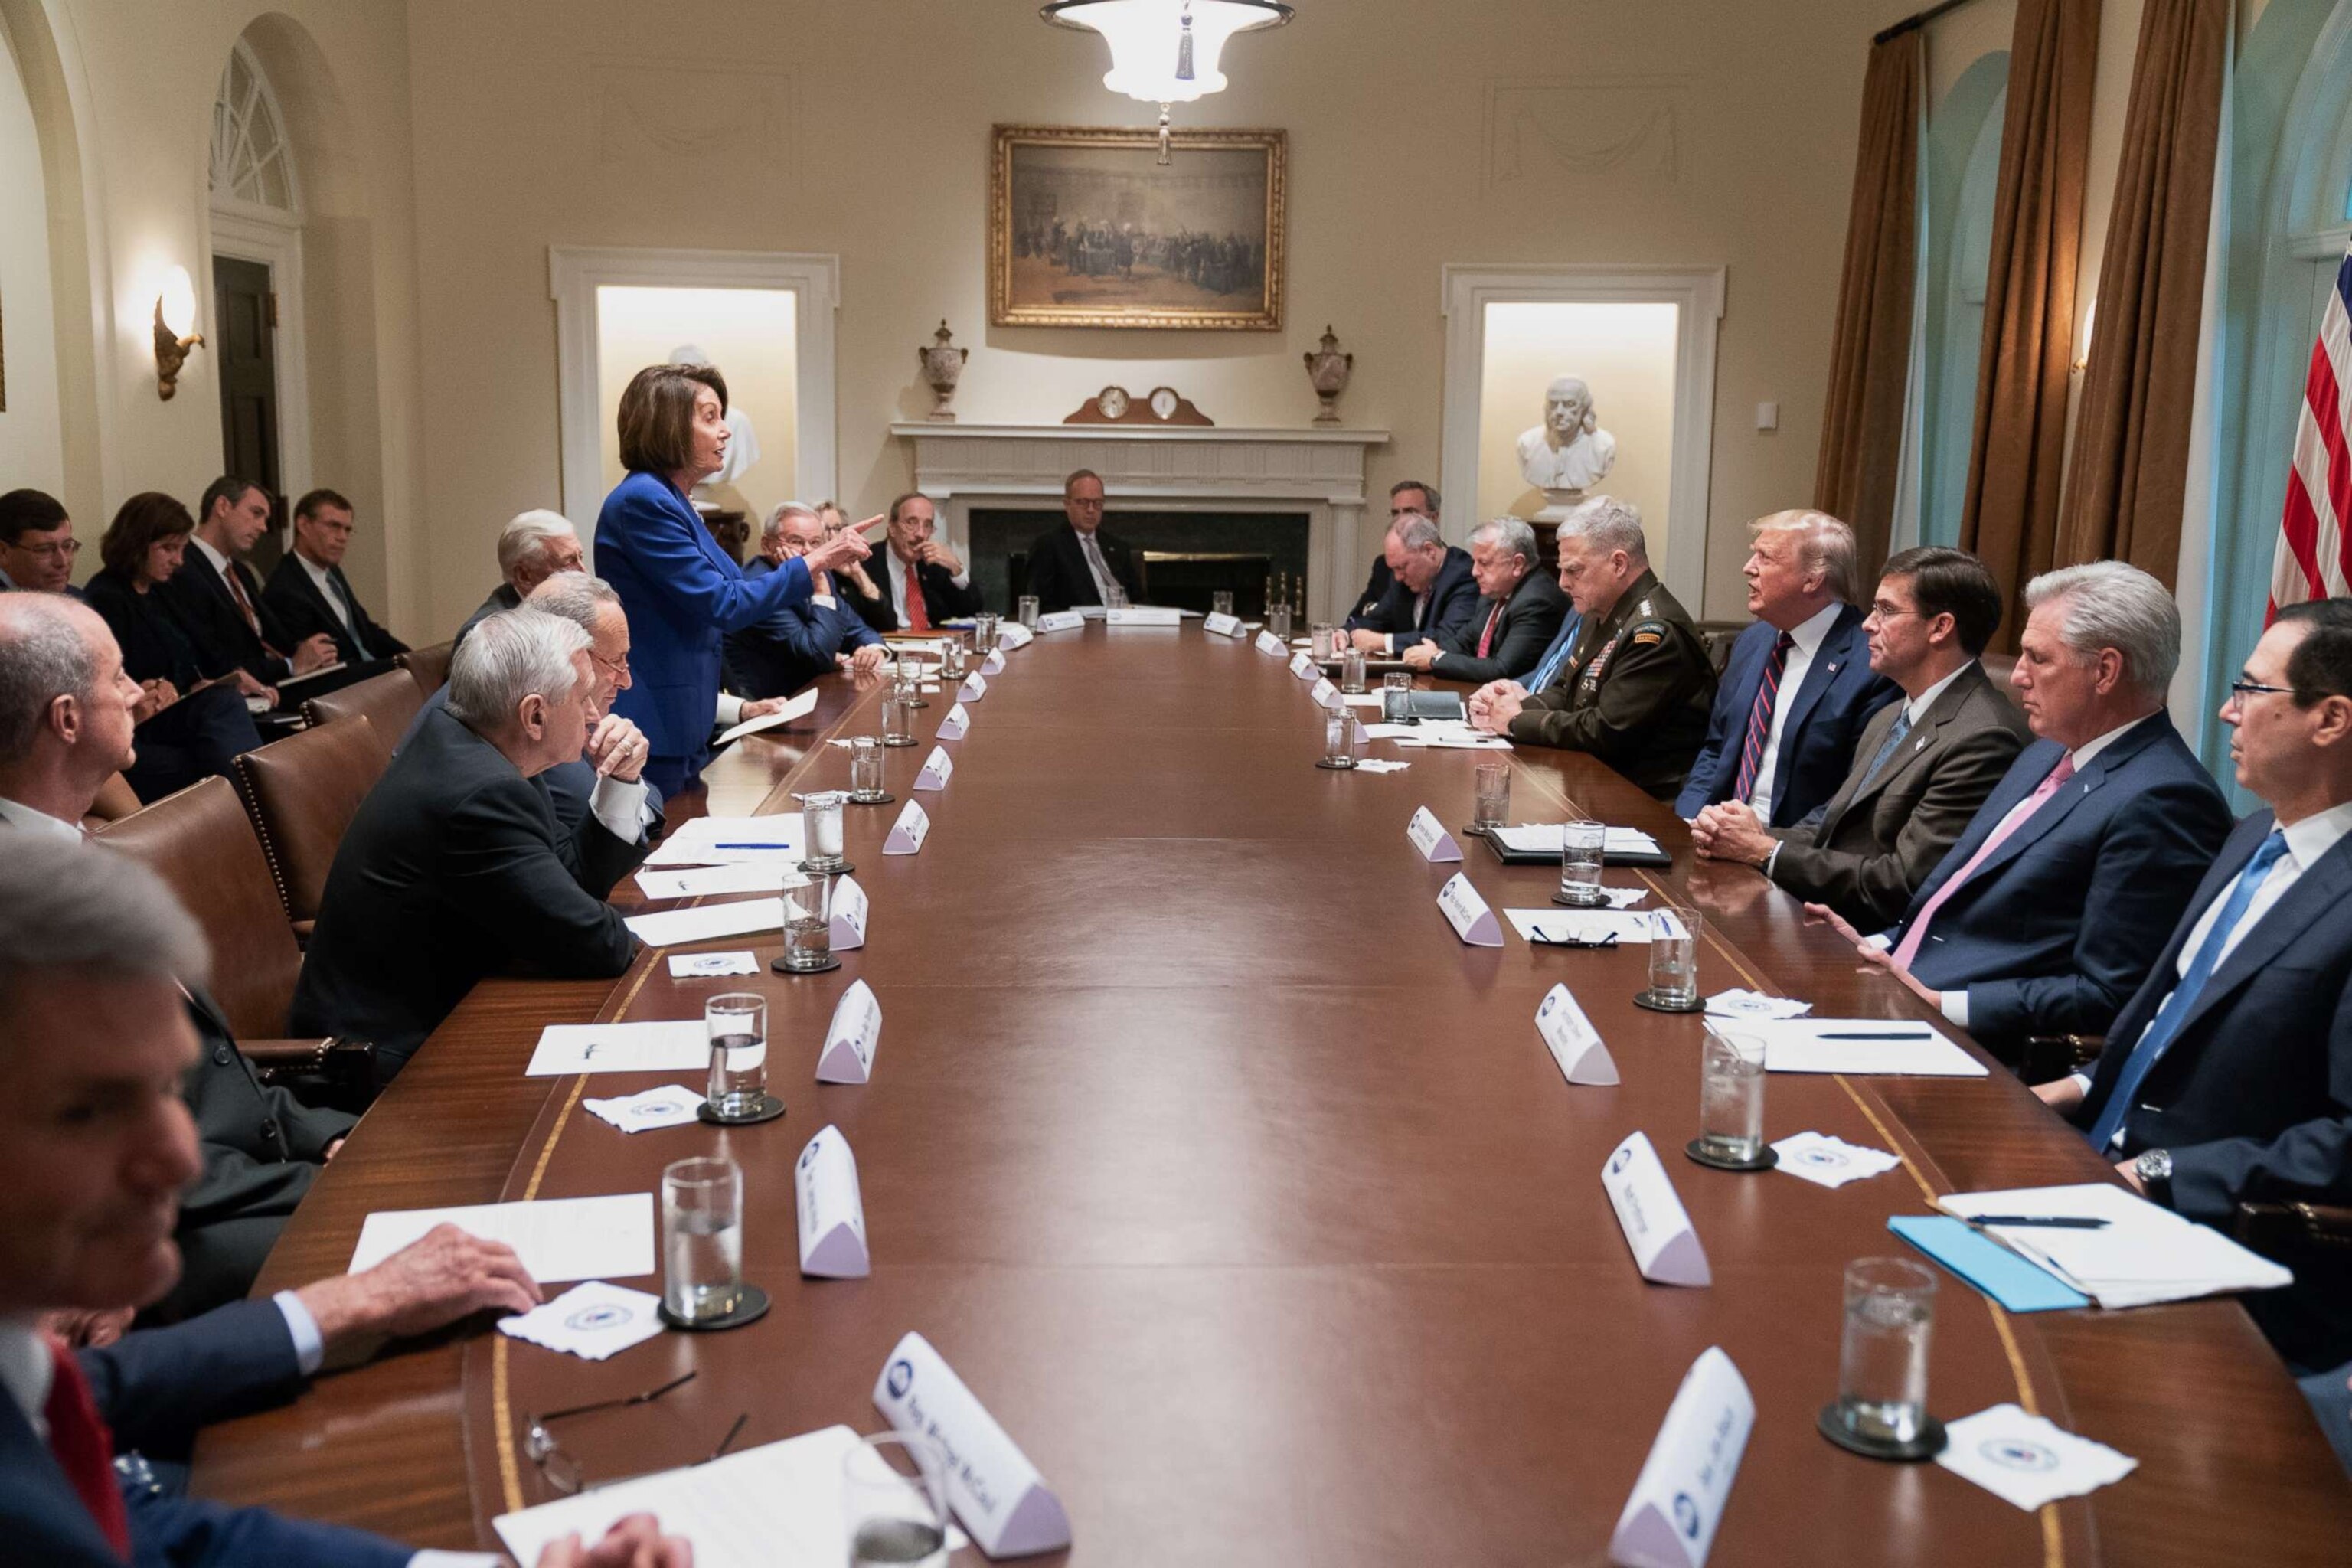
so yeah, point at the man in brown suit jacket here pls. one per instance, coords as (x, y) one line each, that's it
(1922, 766)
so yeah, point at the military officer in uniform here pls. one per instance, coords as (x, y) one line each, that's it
(1637, 691)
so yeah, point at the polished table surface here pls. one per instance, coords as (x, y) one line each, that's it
(1251, 1201)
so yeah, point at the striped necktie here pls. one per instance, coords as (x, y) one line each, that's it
(1759, 717)
(1486, 638)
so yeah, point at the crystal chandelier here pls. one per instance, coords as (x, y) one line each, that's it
(1165, 51)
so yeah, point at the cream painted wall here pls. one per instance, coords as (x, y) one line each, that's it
(1625, 354)
(31, 439)
(747, 332)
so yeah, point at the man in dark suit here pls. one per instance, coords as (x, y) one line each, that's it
(1518, 611)
(941, 589)
(36, 544)
(797, 643)
(1404, 496)
(92, 950)
(1081, 562)
(1924, 766)
(1432, 593)
(2228, 1075)
(1799, 687)
(454, 866)
(311, 595)
(2048, 913)
(532, 547)
(217, 599)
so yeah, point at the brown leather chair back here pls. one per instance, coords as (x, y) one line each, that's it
(389, 700)
(302, 792)
(1997, 667)
(429, 665)
(202, 843)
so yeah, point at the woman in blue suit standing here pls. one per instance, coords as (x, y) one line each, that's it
(682, 592)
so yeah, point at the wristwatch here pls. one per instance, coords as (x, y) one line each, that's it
(2154, 1168)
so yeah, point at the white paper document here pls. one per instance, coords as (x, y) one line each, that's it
(2028, 1461)
(1862, 1047)
(1828, 1162)
(1737, 1003)
(696, 881)
(793, 707)
(557, 1238)
(740, 917)
(1463, 739)
(669, 1044)
(592, 1321)
(1580, 925)
(711, 965)
(730, 840)
(1544, 838)
(2144, 1254)
(671, 1105)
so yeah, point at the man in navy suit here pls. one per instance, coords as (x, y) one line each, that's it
(2228, 1075)
(796, 643)
(1799, 687)
(1405, 496)
(218, 600)
(95, 1145)
(309, 593)
(1432, 593)
(1081, 562)
(2050, 911)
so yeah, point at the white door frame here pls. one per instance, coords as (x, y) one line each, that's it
(275, 239)
(1695, 292)
(574, 273)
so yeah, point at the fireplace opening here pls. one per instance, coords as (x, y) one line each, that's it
(1183, 557)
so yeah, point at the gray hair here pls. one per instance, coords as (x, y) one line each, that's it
(2110, 604)
(44, 654)
(1511, 535)
(68, 905)
(525, 536)
(509, 656)
(1415, 531)
(773, 528)
(575, 597)
(1608, 524)
(1824, 544)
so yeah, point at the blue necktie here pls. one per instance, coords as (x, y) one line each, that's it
(1547, 670)
(1886, 747)
(2177, 1006)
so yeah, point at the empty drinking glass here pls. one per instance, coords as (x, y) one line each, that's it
(1673, 956)
(1277, 621)
(702, 1238)
(737, 1023)
(1116, 600)
(808, 925)
(1494, 797)
(898, 719)
(1581, 844)
(865, 770)
(895, 1501)
(1025, 611)
(1338, 737)
(821, 816)
(1890, 1314)
(1221, 602)
(951, 660)
(1326, 636)
(1396, 695)
(983, 634)
(1731, 1095)
(1351, 672)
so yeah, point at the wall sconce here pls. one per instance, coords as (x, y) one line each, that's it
(2083, 348)
(175, 330)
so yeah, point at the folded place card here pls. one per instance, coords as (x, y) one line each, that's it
(1325, 694)
(1575, 1043)
(671, 1105)
(995, 1489)
(592, 1321)
(1269, 643)
(849, 908)
(935, 770)
(1222, 626)
(1015, 636)
(953, 727)
(1062, 621)
(974, 689)
(2019, 1284)
(850, 1038)
(994, 664)
(1678, 1499)
(1656, 1226)
(1143, 616)
(1304, 668)
(831, 1216)
(1429, 836)
(1472, 921)
(907, 834)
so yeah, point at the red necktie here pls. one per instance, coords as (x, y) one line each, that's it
(919, 613)
(83, 1447)
(1486, 638)
(244, 605)
(2019, 815)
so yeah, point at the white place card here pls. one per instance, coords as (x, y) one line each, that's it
(1326, 695)
(994, 664)
(1013, 635)
(1304, 668)
(592, 1321)
(1222, 626)
(1678, 1499)
(1429, 836)
(974, 689)
(1657, 1227)
(907, 834)
(935, 770)
(1472, 921)
(1575, 1043)
(669, 1044)
(671, 1105)
(851, 1037)
(849, 908)
(1268, 643)
(832, 1216)
(557, 1238)
(995, 1489)
(954, 726)
(1062, 621)
(1143, 616)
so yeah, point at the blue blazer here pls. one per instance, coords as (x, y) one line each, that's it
(2253, 1096)
(2055, 930)
(1827, 712)
(683, 595)
(1453, 599)
(793, 646)
(153, 1389)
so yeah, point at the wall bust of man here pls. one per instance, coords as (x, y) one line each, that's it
(1569, 453)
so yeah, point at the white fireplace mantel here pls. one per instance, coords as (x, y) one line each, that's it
(1167, 468)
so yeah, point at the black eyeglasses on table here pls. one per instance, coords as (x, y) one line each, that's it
(563, 1471)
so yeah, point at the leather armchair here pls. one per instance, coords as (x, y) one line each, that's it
(389, 700)
(430, 666)
(303, 793)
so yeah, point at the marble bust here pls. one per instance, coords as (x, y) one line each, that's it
(1567, 453)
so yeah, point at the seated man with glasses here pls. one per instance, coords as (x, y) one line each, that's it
(794, 645)
(36, 544)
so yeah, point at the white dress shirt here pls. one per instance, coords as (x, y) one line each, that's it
(329, 590)
(904, 580)
(25, 819)
(1805, 640)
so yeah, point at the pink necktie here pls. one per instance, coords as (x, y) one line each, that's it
(1908, 949)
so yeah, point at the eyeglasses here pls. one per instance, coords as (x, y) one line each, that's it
(618, 668)
(1883, 611)
(1590, 944)
(56, 549)
(2242, 690)
(556, 1463)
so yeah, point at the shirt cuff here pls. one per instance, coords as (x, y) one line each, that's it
(730, 710)
(1881, 942)
(1955, 1007)
(2081, 1080)
(1387, 644)
(620, 806)
(1771, 856)
(823, 599)
(310, 1347)
(962, 579)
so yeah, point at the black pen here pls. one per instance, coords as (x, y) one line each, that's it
(2046, 1221)
(1924, 1034)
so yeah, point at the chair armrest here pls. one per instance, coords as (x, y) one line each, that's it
(334, 1072)
(2051, 1057)
(2275, 1228)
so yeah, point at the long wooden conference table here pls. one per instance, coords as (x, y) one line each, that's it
(1250, 1200)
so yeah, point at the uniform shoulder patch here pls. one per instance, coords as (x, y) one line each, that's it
(1646, 638)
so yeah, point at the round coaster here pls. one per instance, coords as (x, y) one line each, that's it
(1472, 831)
(1564, 901)
(1348, 766)
(883, 797)
(1647, 999)
(839, 868)
(1764, 1161)
(889, 740)
(770, 1109)
(916, 703)
(752, 1304)
(1925, 1445)
(831, 962)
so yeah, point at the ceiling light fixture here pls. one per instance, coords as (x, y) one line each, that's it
(1166, 51)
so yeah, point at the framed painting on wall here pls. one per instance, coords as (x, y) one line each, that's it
(1087, 228)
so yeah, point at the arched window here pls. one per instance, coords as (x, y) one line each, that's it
(251, 164)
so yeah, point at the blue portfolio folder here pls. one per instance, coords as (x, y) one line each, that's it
(2015, 1282)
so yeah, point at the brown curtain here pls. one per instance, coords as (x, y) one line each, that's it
(2126, 480)
(1870, 358)
(2018, 448)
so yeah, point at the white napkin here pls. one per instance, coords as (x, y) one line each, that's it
(1830, 1161)
(591, 1320)
(1379, 765)
(2027, 1460)
(707, 965)
(671, 1105)
(1738, 1003)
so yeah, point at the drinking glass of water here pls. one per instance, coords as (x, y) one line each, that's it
(821, 815)
(1396, 695)
(1117, 600)
(1494, 797)
(1025, 611)
(1338, 737)
(702, 1238)
(808, 925)
(983, 634)
(1890, 1314)
(1673, 956)
(1326, 638)
(895, 1501)
(1731, 1097)
(1351, 672)
(1221, 602)
(1581, 844)
(865, 771)
(1277, 621)
(898, 717)
(737, 1023)
(951, 660)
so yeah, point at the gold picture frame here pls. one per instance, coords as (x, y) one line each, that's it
(1086, 228)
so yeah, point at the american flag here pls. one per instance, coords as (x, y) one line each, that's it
(2315, 550)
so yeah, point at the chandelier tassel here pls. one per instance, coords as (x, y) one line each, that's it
(1184, 47)
(1163, 135)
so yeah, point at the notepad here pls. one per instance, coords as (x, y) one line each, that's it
(741, 918)
(2144, 1254)
(1813, 1044)
(557, 1238)
(2018, 1285)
